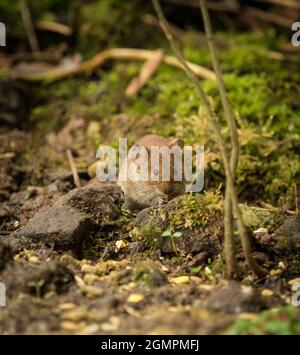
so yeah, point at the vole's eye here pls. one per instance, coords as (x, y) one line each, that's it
(155, 171)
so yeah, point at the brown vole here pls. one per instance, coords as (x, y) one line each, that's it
(140, 192)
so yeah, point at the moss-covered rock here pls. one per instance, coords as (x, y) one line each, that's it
(280, 321)
(256, 217)
(148, 274)
(188, 224)
(287, 237)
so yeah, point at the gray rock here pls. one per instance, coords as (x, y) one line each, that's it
(148, 274)
(60, 227)
(233, 300)
(72, 219)
(287, 237)
(290, 228)
(284, 242)
(100, 202)
(257, 217)
(37, 279)
(151, 222)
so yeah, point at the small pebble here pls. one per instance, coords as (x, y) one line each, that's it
(180, 280)
(69, 326)
(261, 231)
(120, 244)
(66, 306)
(88, 269)
(92, 291)
(294, 281)
(74, 315)
(89, 279)
(34, 259)
(267, 293)
(135, 298)
(112, 325)
(275, 272)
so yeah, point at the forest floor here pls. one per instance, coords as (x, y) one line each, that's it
(84, 266)
(74, 262)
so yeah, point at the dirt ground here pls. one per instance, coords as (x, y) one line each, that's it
(82, 265)
(73, 260)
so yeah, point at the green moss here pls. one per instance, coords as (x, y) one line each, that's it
(193, 210)
(148, 274)
(109, 23)
(261, 91)
(255, 217)
(281, 321)
(148, 233)
(218, 266)
(289, 245)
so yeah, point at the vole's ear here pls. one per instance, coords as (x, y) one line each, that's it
(177, 141)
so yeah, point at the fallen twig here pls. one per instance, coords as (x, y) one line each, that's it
(268, 17)
(59, 72)
(286, 3)
(54, 27)
(151, 20)
(7, 155)
(292, 213)
(179, 33)
(232, 6)
(6, 232)
(148, 69)
(289, 48)
(73, 168)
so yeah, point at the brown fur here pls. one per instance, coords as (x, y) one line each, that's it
(143, 194)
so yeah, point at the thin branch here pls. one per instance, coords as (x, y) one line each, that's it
(268, 17)
(153, 21)
(286, 3)
(26, 16)
(55, 27)
(230, 250)
(148, 69)
(230, 182)
(231, 6)
(73, 168)
(61, 72)
(8, 155)
(179, 33)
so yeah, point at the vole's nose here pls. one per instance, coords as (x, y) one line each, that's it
(168, 190)
(173, 189)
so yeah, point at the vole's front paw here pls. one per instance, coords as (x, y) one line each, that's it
(161, 200)
(157, 199)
